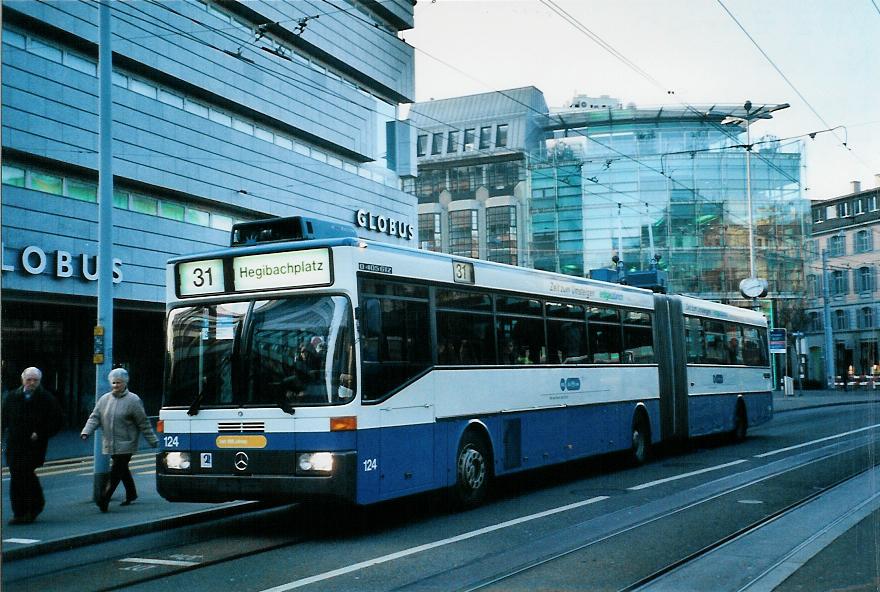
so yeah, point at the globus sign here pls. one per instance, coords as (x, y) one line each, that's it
(62, 264)
(384, 224)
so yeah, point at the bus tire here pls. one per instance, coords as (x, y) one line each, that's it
(740, 424)
(640, 444)
(473, 471)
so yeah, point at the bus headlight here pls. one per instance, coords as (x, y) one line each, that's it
(178, 461)
(314, 462)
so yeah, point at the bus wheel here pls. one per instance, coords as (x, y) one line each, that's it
(740, 424)
(640, 447)
(472, 472)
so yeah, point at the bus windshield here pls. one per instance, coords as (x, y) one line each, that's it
(286, 352)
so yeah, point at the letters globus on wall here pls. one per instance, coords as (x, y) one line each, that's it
(34, 261)
(384, 224)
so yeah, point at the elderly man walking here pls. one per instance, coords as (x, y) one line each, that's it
(31, 415)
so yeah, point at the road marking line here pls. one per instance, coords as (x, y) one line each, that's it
(22, 541)
(683, 475)
(153, 472)
(428, 546)
(173, 562)
(825, 439)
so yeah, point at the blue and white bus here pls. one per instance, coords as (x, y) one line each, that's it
(306, 363)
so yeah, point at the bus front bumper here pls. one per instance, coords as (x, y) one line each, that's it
(276, 483)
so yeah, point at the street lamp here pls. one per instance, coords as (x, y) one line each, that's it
(752, 286)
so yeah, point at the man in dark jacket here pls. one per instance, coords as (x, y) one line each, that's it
(31, 415)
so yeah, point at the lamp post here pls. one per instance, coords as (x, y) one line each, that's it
(752, 286)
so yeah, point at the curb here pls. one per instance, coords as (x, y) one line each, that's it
(103, 536)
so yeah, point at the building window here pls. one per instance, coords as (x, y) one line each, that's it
(839, 285)
(144, 205)
(501, 135)
(85, 190)
(430, 237)
(464, 236)
(501, 234)
(196, 216)
(174, 211)
(841, 322)
(837, 246)
(452, 141)
(221, 222)
(82, 191)
(819, 214)
(421, 145)
(872, 203)
(485, 137)
(864, 241)
(469, 137)
(844, 209)
(437, 143)
(815, 322)
(859, 207)
(865, 279)
(812, 286)
(46, 183)
(866, 318)
(13, 176)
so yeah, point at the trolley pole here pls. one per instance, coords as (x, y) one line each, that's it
(826, 316)
(103, 358)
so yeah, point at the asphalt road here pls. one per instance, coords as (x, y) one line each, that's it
(793, 507)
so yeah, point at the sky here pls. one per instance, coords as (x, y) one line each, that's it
(680, 52)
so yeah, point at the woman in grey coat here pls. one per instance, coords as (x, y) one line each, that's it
(120, 413)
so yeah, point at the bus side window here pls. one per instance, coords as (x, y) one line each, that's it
(371, 329)
(696, 347)
(395, 338)
(638, 338)
(752, 347)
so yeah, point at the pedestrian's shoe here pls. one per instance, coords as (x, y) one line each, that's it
(128, 501)
(23, 519)
(103, 504)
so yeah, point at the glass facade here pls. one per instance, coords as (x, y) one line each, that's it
(557, 216)
(464, 238)
(616, 186)
(501, 234)
(430, 238)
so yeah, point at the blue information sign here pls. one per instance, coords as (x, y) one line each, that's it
(777, 341)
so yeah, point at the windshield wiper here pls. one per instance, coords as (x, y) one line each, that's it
(197, 403)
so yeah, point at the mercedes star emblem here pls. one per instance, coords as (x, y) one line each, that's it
(241, 461)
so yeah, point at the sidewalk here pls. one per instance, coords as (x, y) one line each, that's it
(71, 519)
(822, 398)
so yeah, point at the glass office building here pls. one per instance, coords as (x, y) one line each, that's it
(615, 181)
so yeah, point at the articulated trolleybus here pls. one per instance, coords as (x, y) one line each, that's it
(305, 363)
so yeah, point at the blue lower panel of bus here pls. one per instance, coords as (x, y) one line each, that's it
(398, 461)
(712, 414)
(383, 463)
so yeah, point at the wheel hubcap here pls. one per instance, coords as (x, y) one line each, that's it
(472, 468)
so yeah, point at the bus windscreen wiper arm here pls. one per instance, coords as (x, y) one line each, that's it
(196, 404)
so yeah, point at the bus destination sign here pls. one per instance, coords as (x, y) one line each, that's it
(291, 269)
(199, 278)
